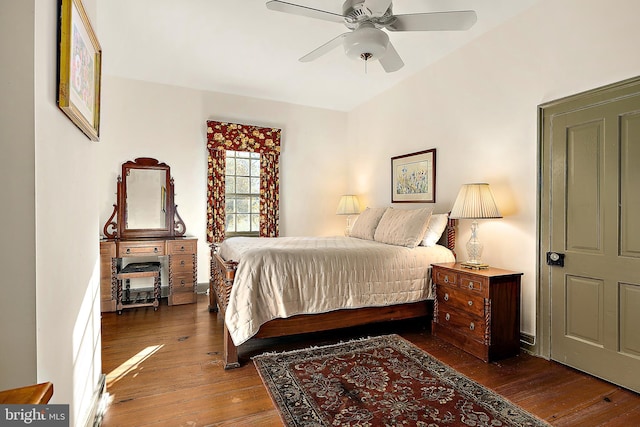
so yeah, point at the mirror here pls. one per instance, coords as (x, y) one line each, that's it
(145, 205)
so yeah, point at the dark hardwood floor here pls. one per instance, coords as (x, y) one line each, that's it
(164, 368)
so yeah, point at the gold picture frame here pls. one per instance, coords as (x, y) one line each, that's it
(79, 69)
(413, 177)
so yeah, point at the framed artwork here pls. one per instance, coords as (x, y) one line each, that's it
(413, 177)
(79, 69)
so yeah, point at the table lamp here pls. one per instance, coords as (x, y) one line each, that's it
(348, 206)
(475, 201)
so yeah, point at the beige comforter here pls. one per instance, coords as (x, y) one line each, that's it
(285, 276)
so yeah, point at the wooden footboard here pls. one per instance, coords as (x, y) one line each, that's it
(221, 282)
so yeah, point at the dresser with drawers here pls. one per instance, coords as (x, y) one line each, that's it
(145, 238)
(179, 254)
(477, 310)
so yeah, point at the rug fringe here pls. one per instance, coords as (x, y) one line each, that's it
(315, 347)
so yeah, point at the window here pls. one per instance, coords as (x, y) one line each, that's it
(242, 193)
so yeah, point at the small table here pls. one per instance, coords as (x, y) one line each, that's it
(139, 269)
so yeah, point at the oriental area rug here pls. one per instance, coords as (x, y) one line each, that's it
(380, 381)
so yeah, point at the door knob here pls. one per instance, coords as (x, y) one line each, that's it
(555, 258)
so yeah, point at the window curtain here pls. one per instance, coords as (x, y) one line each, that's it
(223, 136)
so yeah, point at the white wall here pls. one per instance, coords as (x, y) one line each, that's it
(49, 312)
(142, 119)
(17, 192)
(478, 108)
(67, 253)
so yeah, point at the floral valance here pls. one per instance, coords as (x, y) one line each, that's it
(239, 137)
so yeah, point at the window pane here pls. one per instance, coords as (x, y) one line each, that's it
(231, 166)
(230, 222)
(230, 205)
(242, 205)
(242, 222)
(242, 167)
(255, 222)
(255, 205)
(255, 167)
(255, 185)
(229, 184)
(242, 185)
(243, 153)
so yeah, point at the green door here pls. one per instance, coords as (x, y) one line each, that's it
(591, 155)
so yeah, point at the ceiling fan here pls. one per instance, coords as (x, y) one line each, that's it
(366, 19)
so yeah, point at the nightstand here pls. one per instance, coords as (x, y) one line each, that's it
(477, 310)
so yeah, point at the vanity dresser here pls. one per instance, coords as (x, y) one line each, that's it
(145, 237)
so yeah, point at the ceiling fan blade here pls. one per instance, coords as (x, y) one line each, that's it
(325, 48)
(391, 61)
(281, 6)
(376, 8)
(437, 21)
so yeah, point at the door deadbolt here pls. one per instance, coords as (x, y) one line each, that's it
(555, 258)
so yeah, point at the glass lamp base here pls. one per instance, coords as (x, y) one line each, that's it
(474, 250)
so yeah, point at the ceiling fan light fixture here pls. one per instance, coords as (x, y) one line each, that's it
(366, 42)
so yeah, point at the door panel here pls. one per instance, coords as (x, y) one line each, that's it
(584, 187)
(629, 178)
(629, 319)
(594, 219)
(584, 317)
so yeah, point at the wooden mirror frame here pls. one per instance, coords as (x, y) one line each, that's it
(116, 229)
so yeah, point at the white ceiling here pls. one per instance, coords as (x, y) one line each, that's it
(240, 47)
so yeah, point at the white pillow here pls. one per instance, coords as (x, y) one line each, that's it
(403, 227)
(365, 225)
(435, 228)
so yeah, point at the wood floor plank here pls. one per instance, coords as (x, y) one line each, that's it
(166, 369)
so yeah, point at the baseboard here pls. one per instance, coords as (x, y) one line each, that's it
(98, 404)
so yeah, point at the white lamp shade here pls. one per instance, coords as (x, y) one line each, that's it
(348, 205)
(475, 201)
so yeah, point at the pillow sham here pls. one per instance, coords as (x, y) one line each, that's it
(366, 224)
(402, 227)
(435, 228)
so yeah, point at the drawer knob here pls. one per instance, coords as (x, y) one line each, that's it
(470, 303)
(182, 262)
(446, 279)
(128, 250)
(472, 326)
(470, 285)
(155, 250)
(182, 248)
(446, 297)
(182, 283)
(447, 317)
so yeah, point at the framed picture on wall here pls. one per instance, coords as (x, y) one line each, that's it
(413, 177)
(79, 69)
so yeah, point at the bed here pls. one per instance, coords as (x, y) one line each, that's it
(268, 287)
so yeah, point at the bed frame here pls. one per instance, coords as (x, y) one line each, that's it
(221, 283)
